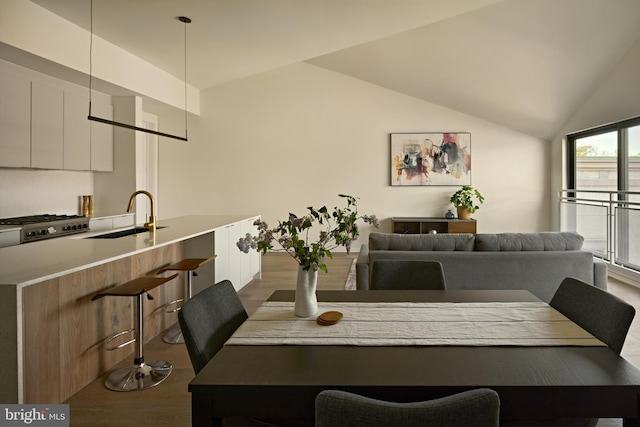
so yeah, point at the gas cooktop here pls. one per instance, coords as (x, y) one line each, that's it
(36, 219)
(46, 226)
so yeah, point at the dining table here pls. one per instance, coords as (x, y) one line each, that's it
(277, 375)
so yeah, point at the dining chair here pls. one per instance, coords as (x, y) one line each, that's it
(472, 408)
(208, 319)
(600, 313)
(407, 274)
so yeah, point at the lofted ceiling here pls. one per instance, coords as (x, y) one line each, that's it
(523, 64)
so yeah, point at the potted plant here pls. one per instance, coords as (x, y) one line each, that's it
(467, 201)
(333, 228)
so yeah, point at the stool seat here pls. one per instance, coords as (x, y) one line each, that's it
(174, 335)
(135, 287)
(187, 264)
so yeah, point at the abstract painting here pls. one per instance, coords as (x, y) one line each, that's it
(430, 159)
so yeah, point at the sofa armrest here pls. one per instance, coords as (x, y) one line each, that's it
(600, 273)
(362, 268)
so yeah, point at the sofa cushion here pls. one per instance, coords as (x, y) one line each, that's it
(545, 241)
(420, 242)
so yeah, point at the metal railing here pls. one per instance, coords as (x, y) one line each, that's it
(609, 221)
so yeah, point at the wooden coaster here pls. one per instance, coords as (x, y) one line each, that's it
(329, 318)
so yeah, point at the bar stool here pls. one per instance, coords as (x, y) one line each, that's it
(142, 375)
(174, 335)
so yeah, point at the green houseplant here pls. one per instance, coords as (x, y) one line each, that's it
(467, 201)
(309, 247)
(335, 228)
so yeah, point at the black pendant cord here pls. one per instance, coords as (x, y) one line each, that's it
(90, 56)
(186, 21)
(126, 125)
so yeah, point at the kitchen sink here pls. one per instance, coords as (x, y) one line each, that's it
(122, 233)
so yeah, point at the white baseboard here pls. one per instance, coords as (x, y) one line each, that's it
(625, 275)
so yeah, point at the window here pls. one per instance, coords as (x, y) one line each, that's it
(633, 160)
(606, 158)
(603, 176)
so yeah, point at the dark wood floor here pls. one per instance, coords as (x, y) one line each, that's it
(169, 403)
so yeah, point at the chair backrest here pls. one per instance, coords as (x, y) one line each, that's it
(407, 274)
(208, 319)
(600, 313)
(473, 408)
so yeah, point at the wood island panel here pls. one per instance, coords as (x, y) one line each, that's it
(68, 329)
(53, 335)
(42, 331)
(8, 342)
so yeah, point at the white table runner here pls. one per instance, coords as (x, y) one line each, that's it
(415, 324)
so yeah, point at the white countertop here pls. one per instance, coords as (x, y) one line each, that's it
(34, 262)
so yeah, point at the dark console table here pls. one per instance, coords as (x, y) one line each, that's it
(408, 225)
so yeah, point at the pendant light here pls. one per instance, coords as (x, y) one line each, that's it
(185, 21)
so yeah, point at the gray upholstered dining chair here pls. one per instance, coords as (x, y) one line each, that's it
(472, 408)
(407, 274)
(208, 319)
(600, 313)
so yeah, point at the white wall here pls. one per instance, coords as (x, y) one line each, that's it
(300, 135)
(616, 98)
(32, 191)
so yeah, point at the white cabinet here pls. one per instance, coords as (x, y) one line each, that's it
(46, 126)
(228, 255)
(235, 260)
(249, 263)
(9, 237)
(77, 136)
(231, 263)
(100, 224)
(15, 121)
(43, 124)
(101, 138)
(221, 245)
(112, 221)
(128, 220)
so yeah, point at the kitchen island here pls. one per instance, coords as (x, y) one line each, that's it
(52, 336)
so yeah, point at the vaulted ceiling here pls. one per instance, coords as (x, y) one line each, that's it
(523, 64)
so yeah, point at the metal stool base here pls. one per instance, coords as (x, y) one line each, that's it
(173, 336)
(139, 377)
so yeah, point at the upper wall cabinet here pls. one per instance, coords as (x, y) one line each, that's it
(15, 121)
(46, 126)
(77, 132)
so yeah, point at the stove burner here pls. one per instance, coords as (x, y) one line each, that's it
(36, 219)
(46, 226)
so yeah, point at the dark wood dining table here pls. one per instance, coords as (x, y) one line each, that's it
(282, 381)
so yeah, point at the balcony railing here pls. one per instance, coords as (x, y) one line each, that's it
(609, 221)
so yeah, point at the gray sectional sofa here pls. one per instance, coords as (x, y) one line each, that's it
(536, 262)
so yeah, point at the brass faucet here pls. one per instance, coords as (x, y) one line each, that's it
(151, 219)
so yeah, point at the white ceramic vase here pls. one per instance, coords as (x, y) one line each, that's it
(306, 304)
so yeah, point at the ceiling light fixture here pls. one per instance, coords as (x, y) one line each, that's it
(182, 19)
